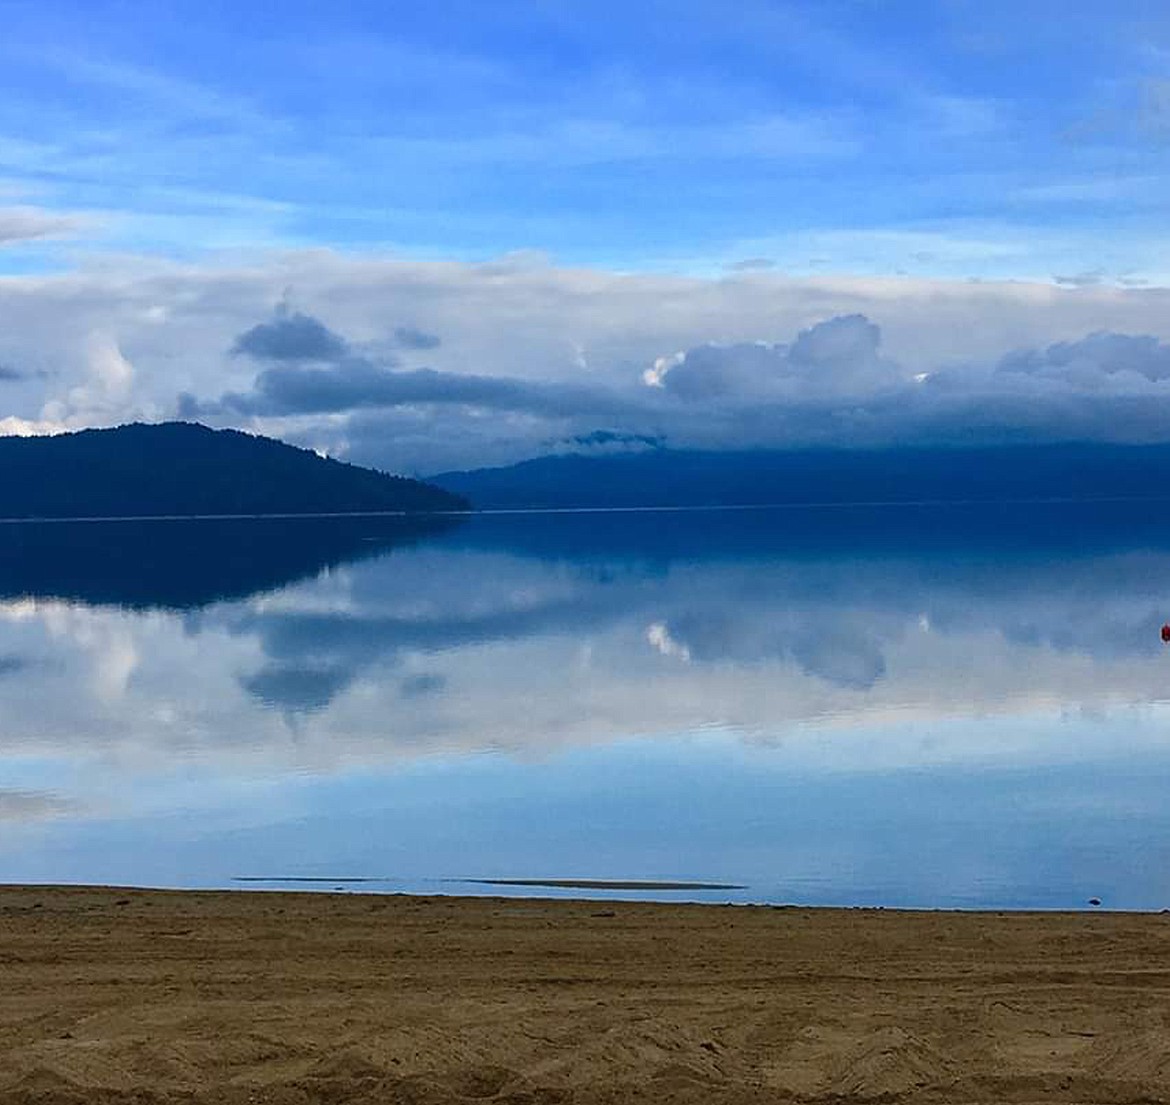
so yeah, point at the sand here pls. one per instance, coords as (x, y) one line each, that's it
(254, 996)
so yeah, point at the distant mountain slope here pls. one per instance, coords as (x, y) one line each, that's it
(181, 468)
(692, 478)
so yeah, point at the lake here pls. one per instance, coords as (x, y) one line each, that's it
(960, 706)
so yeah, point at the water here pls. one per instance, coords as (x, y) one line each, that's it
(927, 706)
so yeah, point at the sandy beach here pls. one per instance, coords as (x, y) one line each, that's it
(111, 995)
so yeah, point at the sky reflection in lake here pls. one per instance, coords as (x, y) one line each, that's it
(927, 706)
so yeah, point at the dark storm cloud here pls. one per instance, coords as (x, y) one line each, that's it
(341, 381)
(357, 384)
(297, 688)
(291, 336)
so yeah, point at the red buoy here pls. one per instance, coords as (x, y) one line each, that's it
(1166, 634)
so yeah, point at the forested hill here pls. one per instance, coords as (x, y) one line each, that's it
(677, 478)
(182, 468)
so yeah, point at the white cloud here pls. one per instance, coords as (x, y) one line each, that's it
(12, 426)
(658, 635)
(503, 353)
(836, 357)
(23, 224)
(655, 375)
(105, 393)
(832, 386)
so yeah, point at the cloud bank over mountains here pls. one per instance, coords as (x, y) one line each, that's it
(830, 385)
(934, 221)
(421, 367)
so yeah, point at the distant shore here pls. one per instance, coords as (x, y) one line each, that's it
(646, 508)
(235, 996)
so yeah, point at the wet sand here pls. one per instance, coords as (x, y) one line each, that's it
(256, 996)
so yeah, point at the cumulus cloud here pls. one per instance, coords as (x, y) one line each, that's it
(339, 381)
(291, 336)
(297, 688)
(831, 384)
(13, 426)
(837, 356)
(105, 391)
(1095, 361)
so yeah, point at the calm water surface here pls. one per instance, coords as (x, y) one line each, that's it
(924, 706)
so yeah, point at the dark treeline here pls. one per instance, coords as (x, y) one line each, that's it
(180, 468)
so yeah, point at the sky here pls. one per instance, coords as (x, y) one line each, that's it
(455, 234)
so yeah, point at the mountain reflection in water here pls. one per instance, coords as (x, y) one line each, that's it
(180, 564)
(927, 705)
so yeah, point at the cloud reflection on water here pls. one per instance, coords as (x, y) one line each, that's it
(833, 659)
(466, 643)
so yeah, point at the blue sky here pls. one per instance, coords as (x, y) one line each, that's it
(950, 139)
(837, 149)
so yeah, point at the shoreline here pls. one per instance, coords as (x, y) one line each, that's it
(593, 892)
(116, 994)
(645, 508)
(559, 891)
(505, 895)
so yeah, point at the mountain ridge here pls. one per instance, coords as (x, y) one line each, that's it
(904, 474)
(186, 469)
